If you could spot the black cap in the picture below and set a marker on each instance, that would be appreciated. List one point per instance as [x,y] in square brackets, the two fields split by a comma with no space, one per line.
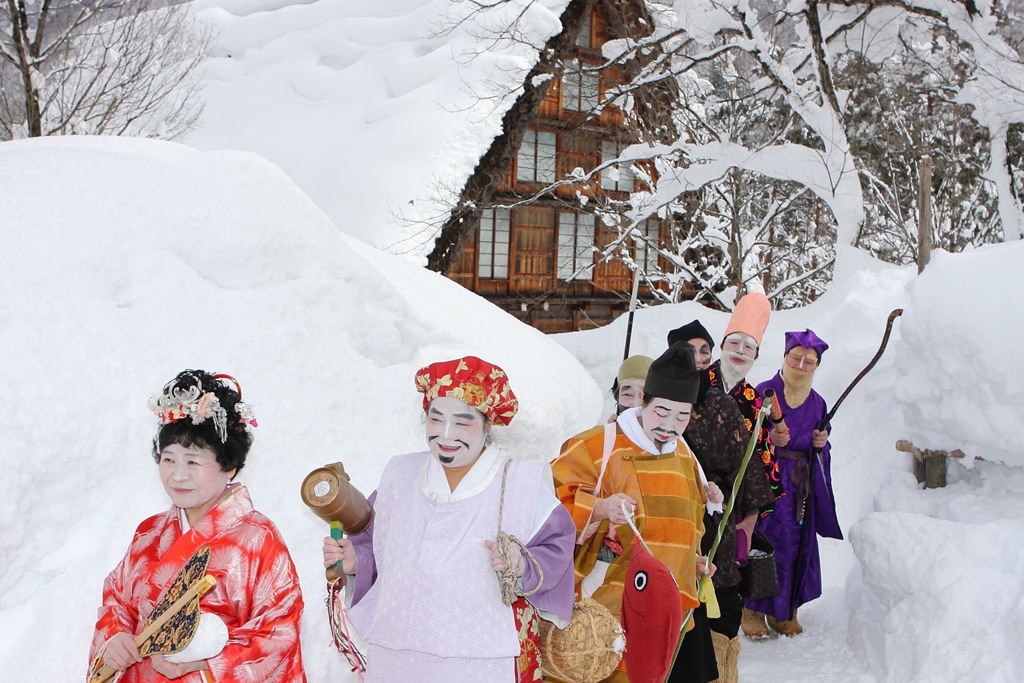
[674,375]
[691,330]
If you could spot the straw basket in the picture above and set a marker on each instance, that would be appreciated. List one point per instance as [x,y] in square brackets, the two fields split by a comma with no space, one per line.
[585,651]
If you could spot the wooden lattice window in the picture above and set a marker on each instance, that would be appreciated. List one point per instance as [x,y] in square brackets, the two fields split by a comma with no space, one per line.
[583,39]
[618,178]
[534,240]
[535,162]
[492,261]
[647,247]
[575,246]
[581,87]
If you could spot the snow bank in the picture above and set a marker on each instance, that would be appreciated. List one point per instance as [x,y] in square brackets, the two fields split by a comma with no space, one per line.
[939,595]
[373,108]
[962,381]
[123,262]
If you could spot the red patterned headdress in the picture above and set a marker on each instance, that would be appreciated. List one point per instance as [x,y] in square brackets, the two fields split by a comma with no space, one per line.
[480,384]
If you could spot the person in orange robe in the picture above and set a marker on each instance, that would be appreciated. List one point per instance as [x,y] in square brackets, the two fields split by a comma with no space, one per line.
[651,472]
[249,628]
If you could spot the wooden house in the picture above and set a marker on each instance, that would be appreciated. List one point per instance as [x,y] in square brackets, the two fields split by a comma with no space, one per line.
[538,260]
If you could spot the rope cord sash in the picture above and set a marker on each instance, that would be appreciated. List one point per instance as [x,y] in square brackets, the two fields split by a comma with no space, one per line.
[629,520]
[340,633]
[507,577]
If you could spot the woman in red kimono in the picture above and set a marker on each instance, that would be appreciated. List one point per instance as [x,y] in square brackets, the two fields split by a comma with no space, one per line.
[249,629]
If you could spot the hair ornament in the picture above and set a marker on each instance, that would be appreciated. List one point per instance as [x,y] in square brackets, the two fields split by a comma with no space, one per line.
[176,403]
[245,413]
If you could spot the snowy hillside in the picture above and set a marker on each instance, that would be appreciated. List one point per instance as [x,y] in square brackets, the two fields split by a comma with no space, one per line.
[372,108]
[124,261]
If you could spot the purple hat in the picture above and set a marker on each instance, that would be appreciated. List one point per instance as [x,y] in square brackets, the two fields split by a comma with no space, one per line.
[806,339]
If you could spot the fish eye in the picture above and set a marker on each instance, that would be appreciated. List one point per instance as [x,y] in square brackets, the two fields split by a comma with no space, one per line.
[640,581]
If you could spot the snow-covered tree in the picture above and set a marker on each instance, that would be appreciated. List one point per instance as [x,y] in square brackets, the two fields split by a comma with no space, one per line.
[101,67]
[898,111]
[831,98]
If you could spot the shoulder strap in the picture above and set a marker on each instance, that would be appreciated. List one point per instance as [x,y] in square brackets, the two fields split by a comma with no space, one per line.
[609,444]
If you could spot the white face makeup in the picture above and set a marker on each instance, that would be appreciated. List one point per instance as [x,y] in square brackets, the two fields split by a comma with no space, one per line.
[664,420]
[738,353]
[741,345]
[455,431]
[630,393]
[701,353]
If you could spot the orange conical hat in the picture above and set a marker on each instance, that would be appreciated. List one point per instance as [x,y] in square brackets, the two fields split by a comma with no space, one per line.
[750,316]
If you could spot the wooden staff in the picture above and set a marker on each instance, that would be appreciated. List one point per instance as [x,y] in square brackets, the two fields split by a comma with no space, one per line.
[878,354]
[198,590]
[632,310]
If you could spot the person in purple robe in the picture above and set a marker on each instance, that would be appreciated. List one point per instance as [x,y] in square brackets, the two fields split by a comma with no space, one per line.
[805,466]
[431,578]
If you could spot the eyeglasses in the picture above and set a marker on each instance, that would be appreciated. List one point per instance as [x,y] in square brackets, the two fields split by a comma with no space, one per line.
[799,361]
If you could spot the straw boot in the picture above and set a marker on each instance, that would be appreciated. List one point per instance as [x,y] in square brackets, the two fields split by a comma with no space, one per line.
[788,628]
[753,624]
[727,656]
[734,659]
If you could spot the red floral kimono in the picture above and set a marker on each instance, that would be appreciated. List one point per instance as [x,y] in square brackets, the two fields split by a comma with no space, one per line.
[257,594]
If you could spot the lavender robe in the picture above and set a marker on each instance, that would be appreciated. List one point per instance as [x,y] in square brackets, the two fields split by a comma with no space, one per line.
[552,545]
[782,527]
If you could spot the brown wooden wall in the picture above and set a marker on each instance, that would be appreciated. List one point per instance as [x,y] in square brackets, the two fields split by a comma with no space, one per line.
[551,304]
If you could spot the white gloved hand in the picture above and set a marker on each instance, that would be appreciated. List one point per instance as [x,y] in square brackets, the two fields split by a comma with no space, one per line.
[210,638]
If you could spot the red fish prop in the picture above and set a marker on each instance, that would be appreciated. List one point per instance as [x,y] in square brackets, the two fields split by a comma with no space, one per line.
[652,617]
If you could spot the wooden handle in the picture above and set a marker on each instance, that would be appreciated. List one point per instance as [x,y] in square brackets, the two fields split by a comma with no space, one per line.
[776,412]
[905,446]
[334,572]
[198,590]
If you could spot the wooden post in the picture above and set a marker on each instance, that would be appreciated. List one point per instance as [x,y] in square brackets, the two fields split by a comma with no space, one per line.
[929,466]
[935,472]
[924,214]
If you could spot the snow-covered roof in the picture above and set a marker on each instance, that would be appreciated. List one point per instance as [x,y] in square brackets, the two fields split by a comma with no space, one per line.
[371,106]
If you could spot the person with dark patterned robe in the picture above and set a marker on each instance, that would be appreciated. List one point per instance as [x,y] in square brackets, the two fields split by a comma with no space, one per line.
[718,436]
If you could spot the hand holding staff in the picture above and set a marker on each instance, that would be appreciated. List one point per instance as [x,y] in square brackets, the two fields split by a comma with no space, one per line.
[780,432]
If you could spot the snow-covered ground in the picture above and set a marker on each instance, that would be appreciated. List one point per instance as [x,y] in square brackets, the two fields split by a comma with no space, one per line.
[125,261]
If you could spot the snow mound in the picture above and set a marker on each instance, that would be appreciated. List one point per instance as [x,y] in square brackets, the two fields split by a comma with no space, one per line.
[939,596]
[373,108]
[124,261]
[962,382]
